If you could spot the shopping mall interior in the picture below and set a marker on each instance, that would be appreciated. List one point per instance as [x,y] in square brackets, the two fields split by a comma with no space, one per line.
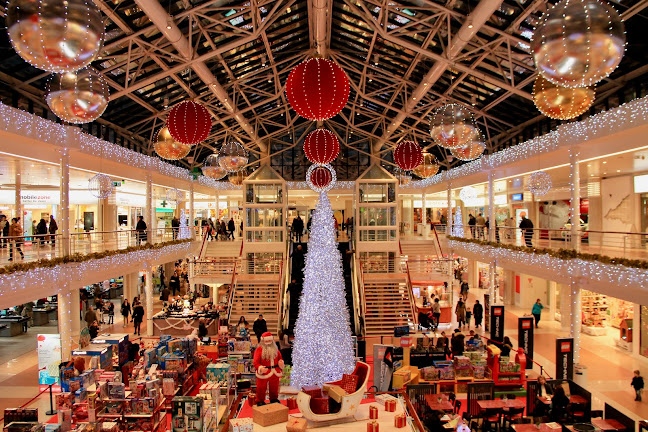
[425,215]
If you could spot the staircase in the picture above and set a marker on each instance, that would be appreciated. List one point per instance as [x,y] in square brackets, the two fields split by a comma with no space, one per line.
[254,295]
[222,248]
[387,300]
[419,248]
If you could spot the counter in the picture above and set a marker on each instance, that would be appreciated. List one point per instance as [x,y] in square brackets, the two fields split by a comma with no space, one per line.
[12,326]
[41,315]
[181,326]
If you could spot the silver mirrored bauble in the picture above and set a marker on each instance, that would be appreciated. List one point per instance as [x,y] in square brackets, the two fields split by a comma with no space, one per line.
[539,183]
[175,195]
[101,186]
[578,42]
[232,157]
[211,168]
[452,126]
[55,35]
[77,97]
[467,194]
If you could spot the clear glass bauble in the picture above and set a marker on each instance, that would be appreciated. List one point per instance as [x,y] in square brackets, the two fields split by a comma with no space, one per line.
[232,156]
[168,148]
[77,97]
[452,126]
[428,168]
[561,103]
[211,168]
[539,183]
[101,186]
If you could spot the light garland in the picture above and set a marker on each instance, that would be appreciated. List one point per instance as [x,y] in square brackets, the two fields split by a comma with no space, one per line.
[323,346]
[539,183]
[303,185]
[468,194]
[101,186]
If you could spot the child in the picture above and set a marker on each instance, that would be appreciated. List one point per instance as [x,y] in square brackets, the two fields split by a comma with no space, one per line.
[468,316]
[637,384]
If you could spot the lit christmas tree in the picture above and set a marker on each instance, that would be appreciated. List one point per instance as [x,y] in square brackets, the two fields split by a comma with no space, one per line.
[457,228]
[323,347]
[183,232]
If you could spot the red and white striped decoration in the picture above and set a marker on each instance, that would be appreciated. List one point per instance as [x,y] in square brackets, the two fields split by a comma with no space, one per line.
[317,89]
[408,155]
[321,177]
[189,122]
[321,146]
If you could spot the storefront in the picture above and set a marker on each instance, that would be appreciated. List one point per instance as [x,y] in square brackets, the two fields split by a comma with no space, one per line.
[129,206]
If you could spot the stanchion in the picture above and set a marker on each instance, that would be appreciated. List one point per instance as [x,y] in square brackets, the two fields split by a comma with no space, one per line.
[51,411]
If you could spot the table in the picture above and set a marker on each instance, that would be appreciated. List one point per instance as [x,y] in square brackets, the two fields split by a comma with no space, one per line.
[40,316]
[14,326]
[432,401]
[608,424]
[543,427]
[181,326]
[500,404]
[576,399]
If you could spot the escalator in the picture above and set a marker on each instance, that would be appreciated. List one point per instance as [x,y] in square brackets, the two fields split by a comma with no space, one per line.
[347,260]
[297,263]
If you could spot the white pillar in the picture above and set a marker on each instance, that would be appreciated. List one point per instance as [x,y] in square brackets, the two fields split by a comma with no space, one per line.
[423,212]
[64,212]
[575,325]
[473,274]
[492,270]
[148,288]
[75,311]
[575,197]
[65,307]
[491,209]
[149,211]
[449,212]
[565,307]
[18,192]
[190,221]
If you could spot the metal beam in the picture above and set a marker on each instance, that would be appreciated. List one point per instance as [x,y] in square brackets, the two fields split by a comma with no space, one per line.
[319,23]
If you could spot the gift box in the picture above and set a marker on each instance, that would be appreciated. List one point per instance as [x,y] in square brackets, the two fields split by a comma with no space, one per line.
[373,412]
[335,392]
[63,401]
[65,417]
[218,372]
[271,414]
[109,427]
[390,405]
[400,420]
[292,403]
[241,425]
[372,426]
[382,398]
[296,425]
[320,405]
[117,390]
[405,374]
[313,391]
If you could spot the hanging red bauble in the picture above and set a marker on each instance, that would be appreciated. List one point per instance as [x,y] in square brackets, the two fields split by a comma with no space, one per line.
[321,146]
[189,122]
[317,89]
[408,155]
[321,177]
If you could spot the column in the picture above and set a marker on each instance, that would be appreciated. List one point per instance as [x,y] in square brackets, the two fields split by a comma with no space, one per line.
[148,214]
[491,208]
[574,206]
[18,192]
[75,310]
[565,307]
[64,212]
[190,218]
[473,274]
[148,289]
[449,212]
[65,307]
[423,210]
[575,316]
[492,270]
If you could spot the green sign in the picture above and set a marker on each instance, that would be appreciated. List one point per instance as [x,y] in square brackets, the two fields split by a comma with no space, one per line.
[117,183]
[164,210]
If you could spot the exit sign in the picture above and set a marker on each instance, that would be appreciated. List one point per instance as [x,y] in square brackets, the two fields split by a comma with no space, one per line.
[117,183]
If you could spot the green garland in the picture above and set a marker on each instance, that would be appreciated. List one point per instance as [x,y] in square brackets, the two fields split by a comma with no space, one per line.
[559,253]
[78,258]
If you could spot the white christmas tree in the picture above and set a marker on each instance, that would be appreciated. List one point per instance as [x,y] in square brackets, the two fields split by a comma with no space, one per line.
[323,347]
[184,232]
[457,227]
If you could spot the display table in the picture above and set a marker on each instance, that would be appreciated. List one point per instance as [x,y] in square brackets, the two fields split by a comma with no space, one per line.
[178,326]
[432,401]
[12,326]
[40,316]
[594,331]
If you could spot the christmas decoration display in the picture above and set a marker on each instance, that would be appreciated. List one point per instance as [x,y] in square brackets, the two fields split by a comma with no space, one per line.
[470,151]
[55,35]
[408,155]
[236,178]
[467,194]
[323,348]
[232,156]
[457,227]
[539,183]
[183,231]
[428,167]
[175,195]
[168,148]
[189,122]
[562,103]
[101,186]
[321,146]
[452,126]
[578,42]
[268,364]
[77,97]
[212,168]
[317,178]
[404,177]
[317,89]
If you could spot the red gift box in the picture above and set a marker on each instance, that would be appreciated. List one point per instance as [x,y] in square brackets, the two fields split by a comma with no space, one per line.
[373,412]
[292,403]
[372,426]
[313,391]
[390,405]
[400,421]
[320,405]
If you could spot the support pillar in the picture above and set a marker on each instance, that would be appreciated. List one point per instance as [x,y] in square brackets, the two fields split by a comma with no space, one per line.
[492,270]
[65,307]
[473,274]
[19,212]
[149,212]
[574,206]
[64,212]
[148,289]
[75,300]
[423,210]
[449,212]
[565,307]
[575,316]
[191,218]
[491,209]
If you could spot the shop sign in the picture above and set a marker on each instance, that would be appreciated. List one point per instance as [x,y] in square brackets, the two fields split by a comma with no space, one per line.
[525,338]
[564,358]
[49,358]
[130,200]
[497,323]
[117,183]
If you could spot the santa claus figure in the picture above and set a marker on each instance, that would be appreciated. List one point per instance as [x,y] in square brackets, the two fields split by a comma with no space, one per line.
[268,364]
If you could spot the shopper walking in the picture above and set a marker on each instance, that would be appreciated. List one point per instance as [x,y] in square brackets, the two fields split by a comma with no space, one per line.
[507,346]
[471,223]
[481,223]
[111,312]
[175,227]
[527,230]
[53,227]
[463,290]
[41,230]
[536,311]
[460,312]
[637,384]
[231,227]
[457,343]
[4,229]
[140,229]
[125,311]
[478,313]
[298,228]
[90,316]
[138,316]
[259,327]
[16,232]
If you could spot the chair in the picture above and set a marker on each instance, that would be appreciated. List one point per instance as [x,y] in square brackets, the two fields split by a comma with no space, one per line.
[457,406]
[577,412]
[512,415]
[492,416]
[452,397]
[416,394]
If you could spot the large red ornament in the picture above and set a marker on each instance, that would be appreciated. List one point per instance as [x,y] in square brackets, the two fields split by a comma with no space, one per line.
[408,155]
[321,177]
[189,122]
[317,89]
[321,146]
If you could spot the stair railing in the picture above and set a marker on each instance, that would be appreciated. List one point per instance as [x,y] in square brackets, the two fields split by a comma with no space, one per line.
[438,243]
[362,301]
[410,294]
[230,300]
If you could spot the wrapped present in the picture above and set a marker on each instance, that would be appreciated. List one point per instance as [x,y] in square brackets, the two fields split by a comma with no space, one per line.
[320,405]
[430,373]
[382,398]
[446,373]
[400,420]
[285,376]
[372,426]
[241,425]
[271,414]
[373,412]
[313,391]
[292,403]
[462,361]
[296,425]
[390,405]
[335,392]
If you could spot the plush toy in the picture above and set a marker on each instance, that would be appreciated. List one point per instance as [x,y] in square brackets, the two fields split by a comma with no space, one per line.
[269,365]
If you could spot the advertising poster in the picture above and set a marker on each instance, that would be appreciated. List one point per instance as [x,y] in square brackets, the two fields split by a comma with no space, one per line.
[49,358]
[564,358]
[525,338]
[497,323]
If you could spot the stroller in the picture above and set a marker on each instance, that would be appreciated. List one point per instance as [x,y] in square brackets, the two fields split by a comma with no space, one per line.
[427,323]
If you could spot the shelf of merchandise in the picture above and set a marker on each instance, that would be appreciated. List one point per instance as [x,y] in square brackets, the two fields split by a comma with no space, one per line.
[593,302]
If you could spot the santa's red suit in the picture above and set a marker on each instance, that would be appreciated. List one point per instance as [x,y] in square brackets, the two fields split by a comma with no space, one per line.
[268,378]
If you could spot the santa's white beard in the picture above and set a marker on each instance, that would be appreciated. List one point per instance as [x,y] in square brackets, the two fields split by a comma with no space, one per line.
[269,351]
